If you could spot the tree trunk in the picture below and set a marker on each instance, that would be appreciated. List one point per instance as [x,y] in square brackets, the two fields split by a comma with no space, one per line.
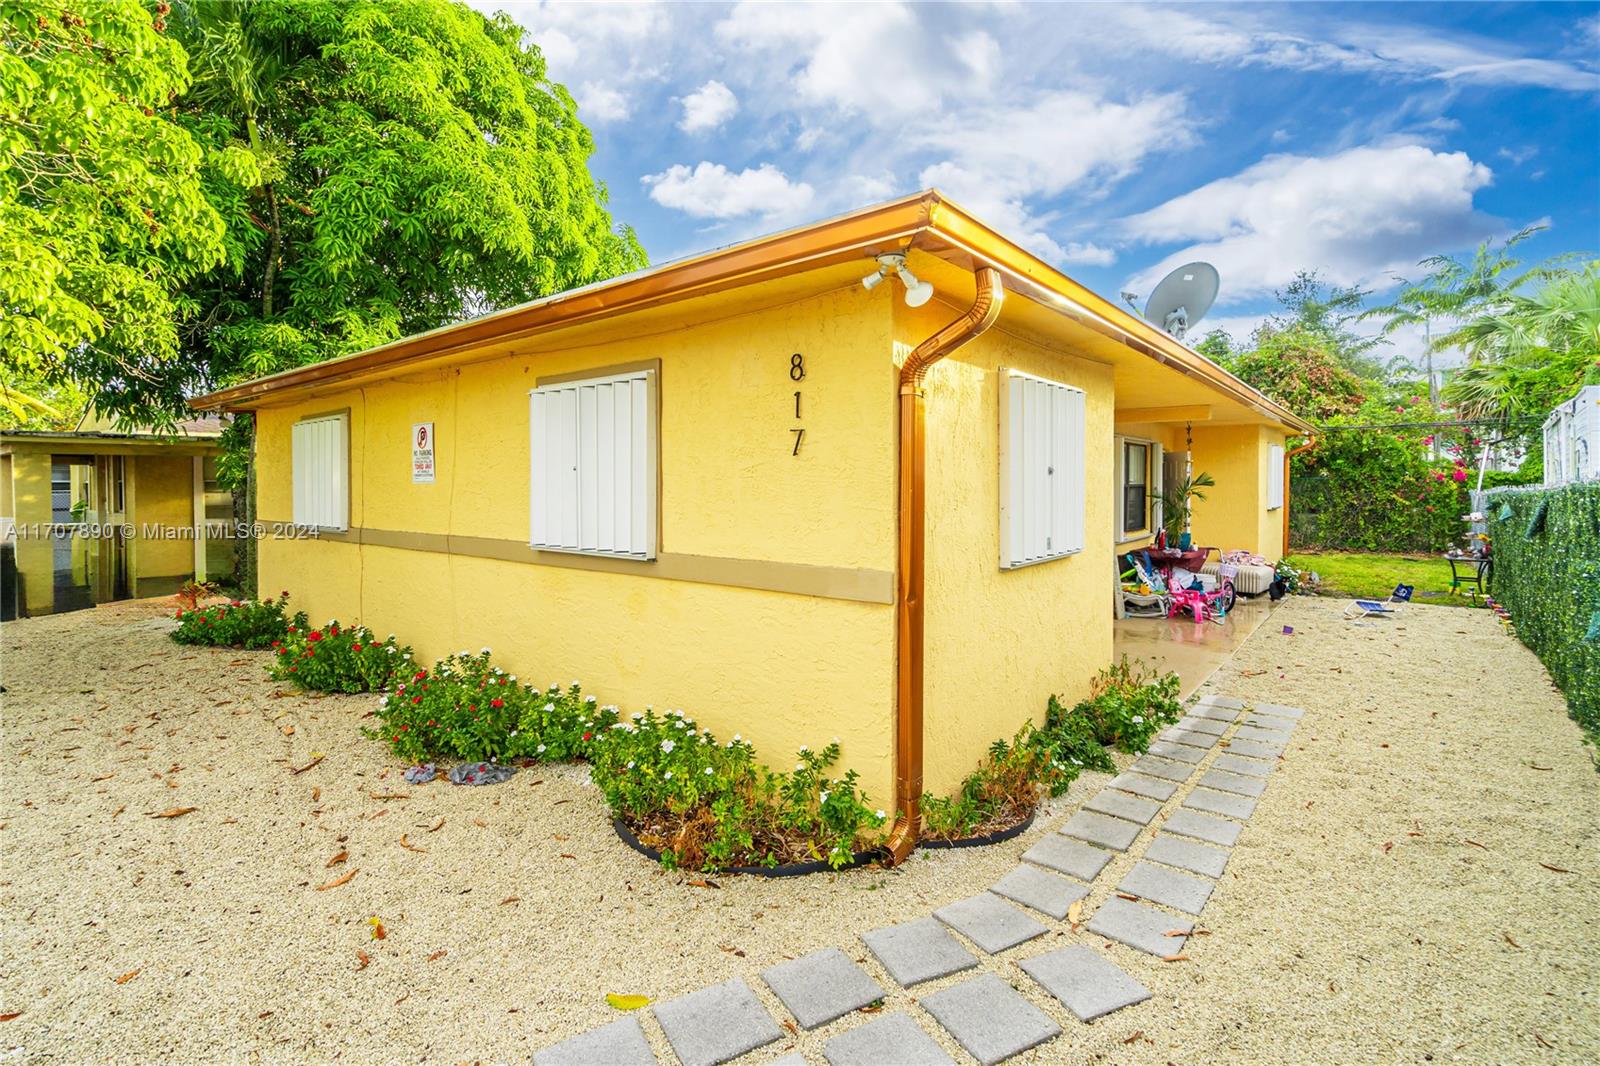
[274,249]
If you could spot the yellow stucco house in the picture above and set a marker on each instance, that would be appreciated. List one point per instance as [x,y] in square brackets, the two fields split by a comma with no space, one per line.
[148,511]
[749,485]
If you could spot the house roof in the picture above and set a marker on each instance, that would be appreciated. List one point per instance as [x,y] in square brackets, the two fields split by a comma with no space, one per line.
[927,221]
[204,429]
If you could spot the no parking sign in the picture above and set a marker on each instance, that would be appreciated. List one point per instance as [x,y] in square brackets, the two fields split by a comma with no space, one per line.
[422,452]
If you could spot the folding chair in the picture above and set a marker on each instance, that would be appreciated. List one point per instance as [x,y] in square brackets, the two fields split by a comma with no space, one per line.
[1391,606]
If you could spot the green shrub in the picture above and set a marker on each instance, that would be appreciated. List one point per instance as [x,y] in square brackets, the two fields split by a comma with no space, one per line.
[338,659]
[238,624]
[1548,578]
[705,805]
[469,709]
[1128,705]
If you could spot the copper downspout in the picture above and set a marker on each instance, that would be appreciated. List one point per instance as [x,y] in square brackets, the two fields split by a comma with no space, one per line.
[1311,442]
[908,603]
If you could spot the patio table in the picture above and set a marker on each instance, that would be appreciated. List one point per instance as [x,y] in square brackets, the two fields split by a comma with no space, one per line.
[1481,576]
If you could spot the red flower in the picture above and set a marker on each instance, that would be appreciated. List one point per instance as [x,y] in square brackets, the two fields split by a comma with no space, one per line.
[1460,473]
[396,738]
[294,669]
[421,674]
[355,647]
[416,699]
[432,722]
[179,614]
[588,736]
[236,603]
[314,635]
[497,703]
[404,728]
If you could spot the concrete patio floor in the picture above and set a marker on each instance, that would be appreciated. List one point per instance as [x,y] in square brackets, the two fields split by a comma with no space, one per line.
[1192,650]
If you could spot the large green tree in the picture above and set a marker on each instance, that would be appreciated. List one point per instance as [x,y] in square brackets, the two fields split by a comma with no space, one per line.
[416,166]
[103,217]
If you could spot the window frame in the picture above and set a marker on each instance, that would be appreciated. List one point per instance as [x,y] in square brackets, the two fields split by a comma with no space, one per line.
[342,416]
[1153,484]
[648,371]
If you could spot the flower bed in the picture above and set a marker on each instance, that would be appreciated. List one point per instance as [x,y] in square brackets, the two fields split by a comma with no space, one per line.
[248,624]
[338,658]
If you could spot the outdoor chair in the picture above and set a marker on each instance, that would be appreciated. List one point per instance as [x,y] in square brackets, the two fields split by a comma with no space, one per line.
[1393,605]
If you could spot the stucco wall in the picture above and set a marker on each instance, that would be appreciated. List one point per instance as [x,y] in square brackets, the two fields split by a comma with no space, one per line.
[162,495]
[1235,514]
[35,555]
[999,643]
[782,669]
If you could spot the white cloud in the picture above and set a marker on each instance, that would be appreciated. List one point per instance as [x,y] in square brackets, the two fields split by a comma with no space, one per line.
[601,103]
[1354,217]
[708,107]
[711,190]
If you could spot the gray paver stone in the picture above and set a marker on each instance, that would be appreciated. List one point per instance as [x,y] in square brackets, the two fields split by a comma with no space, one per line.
[892,1038]
[1187,854]
[1202,725]
[1203,827]
[1266,721]
[716,1024]
[1213,711]
[1044,892]
[1277,710]
[621,1043]
[1170,771]
[1174,735]
[1265,736]
[1067,855]
[821,986]
[990,1018]
[1149,787]
[1140,927]
[1101,829]
[1238,784]
[918,951]
[1167,887]
[989,923]
[1121,805]
[1223,701]
[1255,749]
[1238,764]
[1181,752]
[1204,799]
[1087,984]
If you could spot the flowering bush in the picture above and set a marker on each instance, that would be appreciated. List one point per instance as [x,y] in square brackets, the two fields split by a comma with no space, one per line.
[1127,706]
[706,805]
[469,709]
[338,659]
[238,624]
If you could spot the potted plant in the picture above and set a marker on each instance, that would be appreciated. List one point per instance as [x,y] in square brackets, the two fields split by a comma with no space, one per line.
[1176,503]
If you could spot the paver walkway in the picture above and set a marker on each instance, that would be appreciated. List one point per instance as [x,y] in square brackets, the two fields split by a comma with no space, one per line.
[1227,750]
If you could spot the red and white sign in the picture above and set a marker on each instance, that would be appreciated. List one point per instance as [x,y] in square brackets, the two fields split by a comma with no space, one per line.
[422,452]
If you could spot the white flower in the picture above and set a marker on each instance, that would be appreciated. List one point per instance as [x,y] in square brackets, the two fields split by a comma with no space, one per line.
[514,732]
[630,764]
[513,677]
[390,649]
[636,716]
[575,683]
[408,655]
[690,733]
[667,776]
[589,699]
[835,740]
[708,771]
[667,746]
[804,748]
[549,707]
[384,702]
[1138,719]
[824,797]
[539,750]
[463,653]
[1076,761]
[881,815]
[737,737]
[799,766]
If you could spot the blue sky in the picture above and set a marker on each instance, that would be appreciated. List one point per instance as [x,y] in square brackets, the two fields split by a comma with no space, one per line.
[1115,140]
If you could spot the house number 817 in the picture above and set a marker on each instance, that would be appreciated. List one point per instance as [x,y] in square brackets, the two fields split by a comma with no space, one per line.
[797,372]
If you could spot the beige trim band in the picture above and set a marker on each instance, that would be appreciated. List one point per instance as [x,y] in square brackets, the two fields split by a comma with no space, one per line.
[801,579]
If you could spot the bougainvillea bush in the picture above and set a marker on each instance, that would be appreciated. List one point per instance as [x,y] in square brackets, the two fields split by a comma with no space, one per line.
[1546,546]
[467,708]
[708,805]
[338,658]
[236,624]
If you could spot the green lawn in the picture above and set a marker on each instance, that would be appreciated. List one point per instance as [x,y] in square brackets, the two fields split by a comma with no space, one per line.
[1372,576]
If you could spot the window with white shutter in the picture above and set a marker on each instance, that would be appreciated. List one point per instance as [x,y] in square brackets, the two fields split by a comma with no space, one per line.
[1042,469]
[320,460]
[1274,476]
[594,454]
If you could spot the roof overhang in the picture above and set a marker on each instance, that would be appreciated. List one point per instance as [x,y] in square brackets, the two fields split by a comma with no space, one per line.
[927,221]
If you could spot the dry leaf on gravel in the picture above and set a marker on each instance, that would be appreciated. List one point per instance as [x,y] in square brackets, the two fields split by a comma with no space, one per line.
[13,1014]
[629,1002]
[378,930]
[1555,869]
[1174,958]
[1137,1033]
[337,881]
[510,899]
[175,812]
[362,955]
[130,975]
[1075,915]
[307,766]
[336,860]
[437,955]
[404,843]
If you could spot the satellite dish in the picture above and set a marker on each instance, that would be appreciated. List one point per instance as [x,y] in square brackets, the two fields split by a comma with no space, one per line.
[1183,298]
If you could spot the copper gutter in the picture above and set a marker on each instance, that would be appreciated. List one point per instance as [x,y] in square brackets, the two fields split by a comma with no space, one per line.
[1311,442]
[912,533]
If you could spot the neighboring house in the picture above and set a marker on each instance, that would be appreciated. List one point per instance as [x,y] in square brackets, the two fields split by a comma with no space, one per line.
[147,510]
[750,486]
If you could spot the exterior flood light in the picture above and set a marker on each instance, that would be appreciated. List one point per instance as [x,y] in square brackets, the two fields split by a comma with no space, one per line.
[917,292]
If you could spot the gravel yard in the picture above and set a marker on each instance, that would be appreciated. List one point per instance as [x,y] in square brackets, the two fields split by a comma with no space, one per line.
[1420,880]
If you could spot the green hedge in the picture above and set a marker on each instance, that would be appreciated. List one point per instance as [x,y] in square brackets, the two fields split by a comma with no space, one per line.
[1547,574]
